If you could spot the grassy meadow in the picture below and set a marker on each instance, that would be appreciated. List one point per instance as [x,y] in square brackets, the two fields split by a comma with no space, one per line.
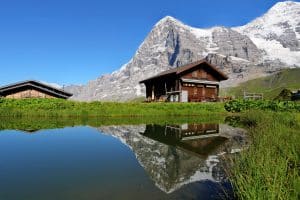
[270,86]
[63,108]
[270,168]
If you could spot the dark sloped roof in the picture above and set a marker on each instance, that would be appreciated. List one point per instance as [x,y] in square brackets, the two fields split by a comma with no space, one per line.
[38,85]
[184,68]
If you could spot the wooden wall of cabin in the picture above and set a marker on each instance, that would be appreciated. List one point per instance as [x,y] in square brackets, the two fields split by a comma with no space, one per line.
[201,73]
[200,92]
[28,93]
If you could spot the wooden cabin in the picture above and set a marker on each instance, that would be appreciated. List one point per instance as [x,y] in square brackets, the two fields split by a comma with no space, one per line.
[32,89]
[195,82]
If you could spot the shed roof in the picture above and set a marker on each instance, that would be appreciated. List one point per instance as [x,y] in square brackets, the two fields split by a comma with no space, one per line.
[179,70]
[37,85]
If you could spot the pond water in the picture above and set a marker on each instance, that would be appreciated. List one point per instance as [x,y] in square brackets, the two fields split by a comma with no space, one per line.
[147,161]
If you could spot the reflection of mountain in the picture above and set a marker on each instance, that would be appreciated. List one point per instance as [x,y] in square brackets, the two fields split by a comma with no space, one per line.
[177,155]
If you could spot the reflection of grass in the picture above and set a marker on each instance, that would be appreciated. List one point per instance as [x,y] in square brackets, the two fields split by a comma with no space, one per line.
[58,107]
[270,168]
[36,123]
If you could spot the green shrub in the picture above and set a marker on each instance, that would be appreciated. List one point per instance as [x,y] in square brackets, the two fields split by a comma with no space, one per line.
[239,105]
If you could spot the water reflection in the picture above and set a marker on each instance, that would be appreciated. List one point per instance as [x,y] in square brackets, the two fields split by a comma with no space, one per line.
[199,139]
[176,155]
[170,161]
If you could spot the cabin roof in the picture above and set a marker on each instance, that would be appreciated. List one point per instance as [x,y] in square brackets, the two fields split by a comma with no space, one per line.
[179,70]
[37,85]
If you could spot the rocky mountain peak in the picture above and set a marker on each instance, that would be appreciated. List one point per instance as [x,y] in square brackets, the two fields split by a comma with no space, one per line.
[168,20]
[285,6]
[281,13]
[277,33]
[262,46]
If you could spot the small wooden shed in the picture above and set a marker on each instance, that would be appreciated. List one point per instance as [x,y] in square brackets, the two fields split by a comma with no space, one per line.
[32,89]
[195,82]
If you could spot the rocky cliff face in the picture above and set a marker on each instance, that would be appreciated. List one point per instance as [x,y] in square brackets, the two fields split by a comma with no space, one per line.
[256,49]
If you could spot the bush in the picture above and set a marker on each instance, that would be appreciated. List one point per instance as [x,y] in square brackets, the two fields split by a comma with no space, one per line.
[239,105]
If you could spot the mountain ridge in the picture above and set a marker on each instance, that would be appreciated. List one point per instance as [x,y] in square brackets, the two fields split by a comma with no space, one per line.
[244,52]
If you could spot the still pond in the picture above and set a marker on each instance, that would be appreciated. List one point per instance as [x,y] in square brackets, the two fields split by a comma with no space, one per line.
[147,161]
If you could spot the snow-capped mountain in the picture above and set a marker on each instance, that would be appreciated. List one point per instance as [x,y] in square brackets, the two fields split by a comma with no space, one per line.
[277,33]
[263,46]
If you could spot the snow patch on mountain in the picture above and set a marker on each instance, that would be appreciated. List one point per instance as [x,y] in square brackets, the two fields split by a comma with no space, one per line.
[263,46]
[277,32]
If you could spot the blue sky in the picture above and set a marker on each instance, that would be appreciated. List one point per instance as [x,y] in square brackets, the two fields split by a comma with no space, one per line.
[74,41]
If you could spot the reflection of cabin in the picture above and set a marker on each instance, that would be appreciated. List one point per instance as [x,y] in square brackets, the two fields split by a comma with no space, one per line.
[201,139]
[194,131]
[32,89]
[198,81]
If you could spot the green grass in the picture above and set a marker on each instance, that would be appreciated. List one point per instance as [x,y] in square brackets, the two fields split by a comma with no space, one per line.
[270,86]
[270,168]
[59,107]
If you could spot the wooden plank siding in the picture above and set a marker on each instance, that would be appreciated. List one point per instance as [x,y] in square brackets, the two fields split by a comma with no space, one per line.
[200,80]
[32,89]
[28,93]
[200,74]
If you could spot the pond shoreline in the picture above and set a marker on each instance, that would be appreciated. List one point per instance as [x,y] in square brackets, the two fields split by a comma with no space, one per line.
[269,169]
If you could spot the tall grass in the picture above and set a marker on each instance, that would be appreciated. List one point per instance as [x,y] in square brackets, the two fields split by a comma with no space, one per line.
[270,168]
[58,107]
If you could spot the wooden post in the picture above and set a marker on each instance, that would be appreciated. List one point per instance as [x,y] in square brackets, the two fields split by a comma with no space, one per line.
[165,88]
[179,89]
[218,90]
[152,94]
